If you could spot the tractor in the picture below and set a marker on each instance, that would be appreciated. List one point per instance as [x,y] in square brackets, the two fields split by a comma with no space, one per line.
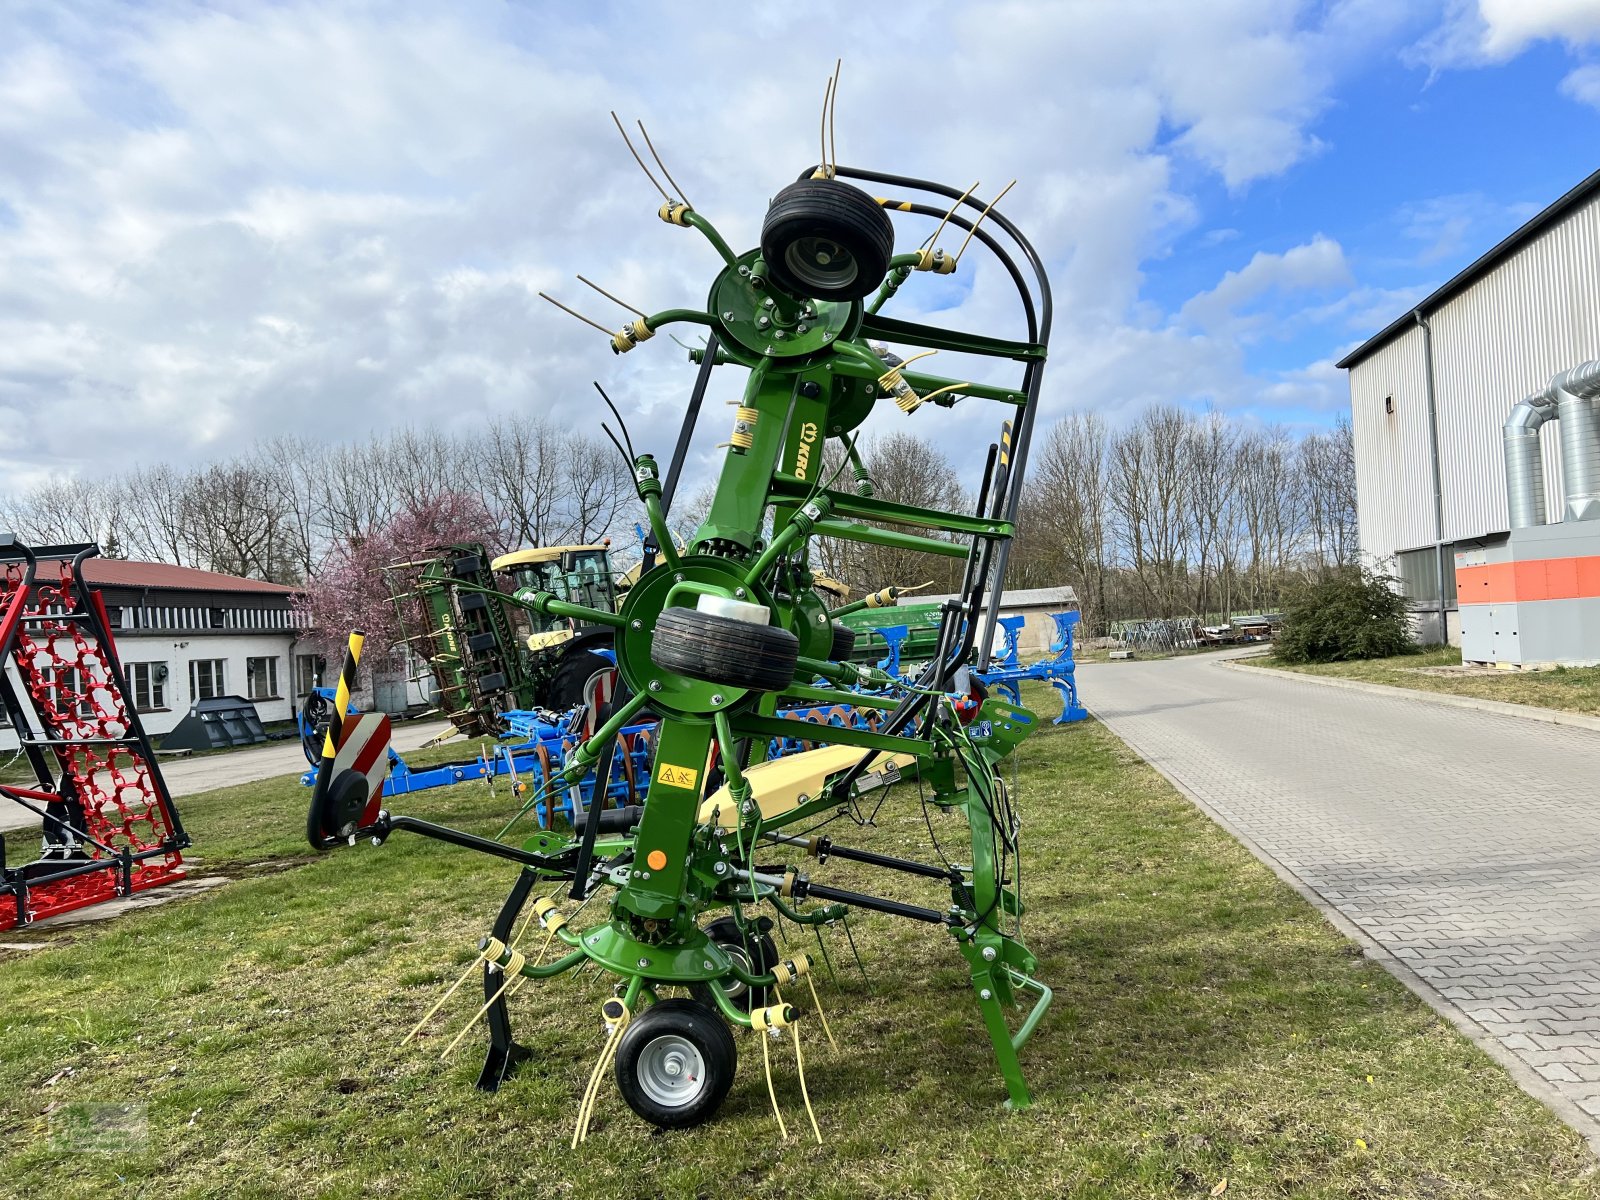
[489,656]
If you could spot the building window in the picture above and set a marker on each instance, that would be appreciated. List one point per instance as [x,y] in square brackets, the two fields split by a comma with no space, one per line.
[261,675]
[205,678]
[309,671]
[1388,404]
[147,682]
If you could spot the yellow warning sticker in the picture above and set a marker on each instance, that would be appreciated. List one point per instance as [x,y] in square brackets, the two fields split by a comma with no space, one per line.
[683,777]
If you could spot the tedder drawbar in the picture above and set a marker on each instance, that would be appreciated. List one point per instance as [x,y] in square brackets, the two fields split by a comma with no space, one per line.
[713,638]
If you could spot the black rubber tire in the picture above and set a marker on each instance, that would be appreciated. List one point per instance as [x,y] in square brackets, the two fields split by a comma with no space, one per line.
[335,811]
[314,713]
[704,1030]
[759,955]
[722,650]
[574,670]
[825,210]
[844,642]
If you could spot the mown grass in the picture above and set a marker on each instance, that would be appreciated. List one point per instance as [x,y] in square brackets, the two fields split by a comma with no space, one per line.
[1208,1025]
[1570,689]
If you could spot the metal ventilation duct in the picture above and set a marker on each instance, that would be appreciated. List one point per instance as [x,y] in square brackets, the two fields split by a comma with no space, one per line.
[1576,390]
[1524,465]
[1570,397]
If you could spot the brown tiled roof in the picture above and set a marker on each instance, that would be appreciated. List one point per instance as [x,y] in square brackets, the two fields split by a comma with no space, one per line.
[113,572]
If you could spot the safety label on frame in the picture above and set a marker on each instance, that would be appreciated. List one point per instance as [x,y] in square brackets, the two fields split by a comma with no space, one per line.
[682,777]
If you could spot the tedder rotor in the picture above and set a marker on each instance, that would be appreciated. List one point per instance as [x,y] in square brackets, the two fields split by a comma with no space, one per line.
[713,637]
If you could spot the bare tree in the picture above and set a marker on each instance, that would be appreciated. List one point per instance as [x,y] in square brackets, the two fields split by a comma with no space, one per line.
[517,465]
[903,468]
[1207,464]
[1065,520]
[1149,495]
[62,511]
[599,483]
[1174,515]
[294,464]
[1327,475]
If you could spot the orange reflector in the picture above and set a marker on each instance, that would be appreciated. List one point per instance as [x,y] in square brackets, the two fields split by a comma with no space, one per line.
[656,859]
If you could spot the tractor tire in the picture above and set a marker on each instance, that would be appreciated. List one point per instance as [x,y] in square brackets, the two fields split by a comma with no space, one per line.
[675,1063]
[314,726]
[571,674]
[844,642]
[826,240]
[757,954]
[722,650]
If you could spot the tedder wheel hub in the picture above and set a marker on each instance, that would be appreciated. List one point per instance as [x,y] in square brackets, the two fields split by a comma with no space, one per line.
[671,1070]
[826,240]
[704,646]
[672,692]
[755,953]
[675,1063]
[337,811]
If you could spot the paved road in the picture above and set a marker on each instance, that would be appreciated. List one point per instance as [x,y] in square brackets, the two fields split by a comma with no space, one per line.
[187,776]
[1466,844]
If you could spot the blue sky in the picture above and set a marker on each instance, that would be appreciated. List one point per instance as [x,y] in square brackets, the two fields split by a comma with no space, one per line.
[1419,173]
[236,220]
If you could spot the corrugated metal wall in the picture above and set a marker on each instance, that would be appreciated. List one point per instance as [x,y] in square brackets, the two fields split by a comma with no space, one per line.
[1500,339]
[1394,481]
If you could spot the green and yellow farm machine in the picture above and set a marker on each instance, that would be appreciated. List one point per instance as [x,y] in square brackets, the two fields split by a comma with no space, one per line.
[715,637]
[489,656]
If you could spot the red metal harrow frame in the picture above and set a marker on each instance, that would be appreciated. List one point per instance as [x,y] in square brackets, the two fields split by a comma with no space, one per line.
[109,825]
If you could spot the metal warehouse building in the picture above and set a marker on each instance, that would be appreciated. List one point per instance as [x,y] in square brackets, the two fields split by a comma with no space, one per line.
[1430,393]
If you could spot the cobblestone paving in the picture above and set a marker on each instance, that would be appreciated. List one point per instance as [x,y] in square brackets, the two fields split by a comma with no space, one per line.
[1465,843]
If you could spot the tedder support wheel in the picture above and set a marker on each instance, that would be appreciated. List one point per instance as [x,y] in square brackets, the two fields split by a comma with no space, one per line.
[826,240]
[723,650]
[757,953]
[844,642]
[675,1063]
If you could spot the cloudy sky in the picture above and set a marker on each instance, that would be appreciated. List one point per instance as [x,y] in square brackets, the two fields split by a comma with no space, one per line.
[226,221]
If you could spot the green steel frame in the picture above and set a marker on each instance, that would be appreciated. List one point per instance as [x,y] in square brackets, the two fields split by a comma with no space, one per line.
[812,375]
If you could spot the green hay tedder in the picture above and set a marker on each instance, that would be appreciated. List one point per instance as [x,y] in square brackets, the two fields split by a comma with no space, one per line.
[712,636]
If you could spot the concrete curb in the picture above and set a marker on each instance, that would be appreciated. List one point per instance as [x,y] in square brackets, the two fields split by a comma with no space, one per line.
[1528,712]
[1525,1076]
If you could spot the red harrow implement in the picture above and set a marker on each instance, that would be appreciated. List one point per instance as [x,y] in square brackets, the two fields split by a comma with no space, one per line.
[109,825]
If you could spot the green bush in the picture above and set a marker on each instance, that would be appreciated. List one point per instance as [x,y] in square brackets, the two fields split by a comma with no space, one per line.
[1346,615]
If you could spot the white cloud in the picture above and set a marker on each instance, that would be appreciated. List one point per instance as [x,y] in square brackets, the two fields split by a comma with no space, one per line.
[219,224]
[1480,32]
[1512,25]
[1320,387]
[1583,85]
[1455,225]
[1312,266]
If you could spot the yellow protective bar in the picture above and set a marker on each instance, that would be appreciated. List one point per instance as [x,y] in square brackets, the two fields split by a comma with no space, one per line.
[341,696]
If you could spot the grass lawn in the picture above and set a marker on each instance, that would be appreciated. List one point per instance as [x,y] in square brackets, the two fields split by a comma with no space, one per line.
[1572,689]
[1208,1025]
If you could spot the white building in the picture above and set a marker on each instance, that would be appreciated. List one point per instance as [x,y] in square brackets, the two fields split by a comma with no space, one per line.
[185,635]
[1036,607]
[1430,393]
